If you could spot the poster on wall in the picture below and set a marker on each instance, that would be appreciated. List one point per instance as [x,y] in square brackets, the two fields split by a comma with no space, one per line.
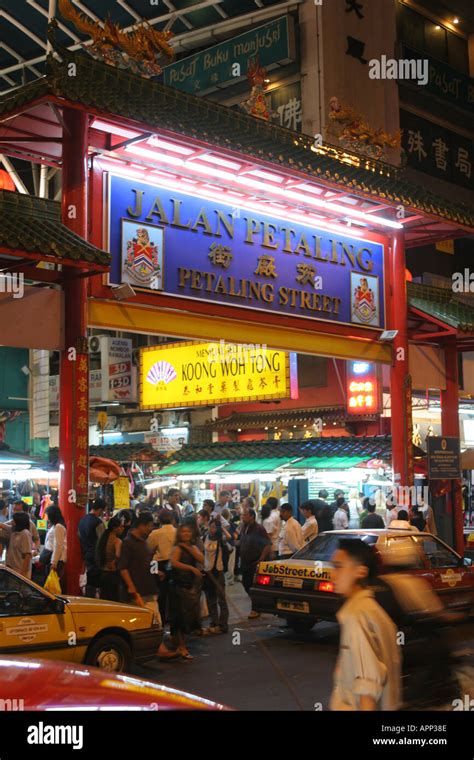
[191,247]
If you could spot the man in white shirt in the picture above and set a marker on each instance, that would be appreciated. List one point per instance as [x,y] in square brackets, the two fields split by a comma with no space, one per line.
[341,518]
[310,527]
[162,541]
[272,522]
[291,536]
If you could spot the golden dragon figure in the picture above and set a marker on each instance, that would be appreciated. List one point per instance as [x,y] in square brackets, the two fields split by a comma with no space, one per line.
[143,49]
[351,129]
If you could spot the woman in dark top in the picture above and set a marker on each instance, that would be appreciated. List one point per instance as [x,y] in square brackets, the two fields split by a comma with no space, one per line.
[417,519]
[108,553]
[185,587]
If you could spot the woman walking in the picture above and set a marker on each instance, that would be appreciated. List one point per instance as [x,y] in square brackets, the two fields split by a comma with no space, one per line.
[54,554]
[108,553]
[185,588]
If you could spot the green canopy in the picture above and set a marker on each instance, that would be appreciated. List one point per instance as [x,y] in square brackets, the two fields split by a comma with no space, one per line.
[327,463]
[199,467]
[267,464]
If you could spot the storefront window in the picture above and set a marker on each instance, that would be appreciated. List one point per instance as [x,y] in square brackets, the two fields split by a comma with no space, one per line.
[431,38]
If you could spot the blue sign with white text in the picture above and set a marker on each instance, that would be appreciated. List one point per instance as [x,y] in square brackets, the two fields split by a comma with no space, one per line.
[187,246]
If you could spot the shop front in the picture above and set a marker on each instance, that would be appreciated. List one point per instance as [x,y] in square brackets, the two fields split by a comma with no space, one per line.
[226,229]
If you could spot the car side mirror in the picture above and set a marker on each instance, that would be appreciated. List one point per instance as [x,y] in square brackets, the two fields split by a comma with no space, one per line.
[59,607]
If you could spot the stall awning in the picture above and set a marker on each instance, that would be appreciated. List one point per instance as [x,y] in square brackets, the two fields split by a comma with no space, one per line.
[327,463]
[256,465]
[193,468]
[439,312]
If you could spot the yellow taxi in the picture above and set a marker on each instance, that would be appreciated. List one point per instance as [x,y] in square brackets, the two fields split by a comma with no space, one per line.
[108,635]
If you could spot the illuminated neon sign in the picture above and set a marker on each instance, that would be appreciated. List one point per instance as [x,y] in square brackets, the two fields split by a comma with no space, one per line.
[362,388]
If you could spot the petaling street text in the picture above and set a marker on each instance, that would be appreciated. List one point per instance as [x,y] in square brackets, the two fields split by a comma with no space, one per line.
[248,290]
[274,237]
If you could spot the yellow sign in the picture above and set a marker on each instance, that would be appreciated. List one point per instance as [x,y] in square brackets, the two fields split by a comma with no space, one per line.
[445,246]
[204,374]
[121,488]
[102,420]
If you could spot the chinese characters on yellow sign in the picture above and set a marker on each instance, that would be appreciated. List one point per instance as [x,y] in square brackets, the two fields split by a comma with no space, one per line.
[204,374]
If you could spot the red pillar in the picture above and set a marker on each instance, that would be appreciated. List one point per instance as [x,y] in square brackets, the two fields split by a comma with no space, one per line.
[450,427]
[400,381]
[74,370]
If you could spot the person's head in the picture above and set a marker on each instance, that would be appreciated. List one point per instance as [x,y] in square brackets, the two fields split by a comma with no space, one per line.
[173,497]
[249,502]
[307,510]
[286,511]
[354,566]
[265,511]
[224,498]
[36,498]
[184,534]
[191,522]
[126,516]
[338,493]
[215,529]
[97,507]
[226,514]
[115,525]
[403,514]
[272,502]
[369,505]
[20,506]
[323,494]
[165,517]
[415,510]
[248,515]
[340,501]
[54,515]
[209,505]
[21,521]
[361,496]
[203,518]
[143,524]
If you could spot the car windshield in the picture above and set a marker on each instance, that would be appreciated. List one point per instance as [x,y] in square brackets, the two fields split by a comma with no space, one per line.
[323,547]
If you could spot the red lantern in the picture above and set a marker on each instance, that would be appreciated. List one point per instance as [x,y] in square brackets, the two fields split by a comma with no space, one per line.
[6,182]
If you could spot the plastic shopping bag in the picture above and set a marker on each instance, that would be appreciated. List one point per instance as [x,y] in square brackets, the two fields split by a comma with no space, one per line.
[52,583]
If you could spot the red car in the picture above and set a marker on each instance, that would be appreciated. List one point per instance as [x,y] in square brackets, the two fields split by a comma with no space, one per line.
[27,684]
[300,589]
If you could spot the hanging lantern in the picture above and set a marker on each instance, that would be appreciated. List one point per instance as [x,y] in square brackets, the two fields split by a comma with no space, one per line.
[6,182]
[408,275]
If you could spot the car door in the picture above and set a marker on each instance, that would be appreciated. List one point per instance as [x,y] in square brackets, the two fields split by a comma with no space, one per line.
[452,579]
[30,621]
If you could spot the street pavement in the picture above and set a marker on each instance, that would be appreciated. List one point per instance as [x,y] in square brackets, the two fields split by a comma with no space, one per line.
[262,665]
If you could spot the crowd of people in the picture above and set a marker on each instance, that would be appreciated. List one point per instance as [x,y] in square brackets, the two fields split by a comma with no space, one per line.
[178,562]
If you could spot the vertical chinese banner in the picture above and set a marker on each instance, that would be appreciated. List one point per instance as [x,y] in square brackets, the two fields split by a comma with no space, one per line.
[409,424]
[81,461]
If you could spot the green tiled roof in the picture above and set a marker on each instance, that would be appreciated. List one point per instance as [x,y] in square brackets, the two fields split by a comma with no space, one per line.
[441,304]
[34,225]
[265,464]
[348,447]
[108,90]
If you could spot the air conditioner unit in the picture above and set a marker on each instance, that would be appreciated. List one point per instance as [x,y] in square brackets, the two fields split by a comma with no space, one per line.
[94,344]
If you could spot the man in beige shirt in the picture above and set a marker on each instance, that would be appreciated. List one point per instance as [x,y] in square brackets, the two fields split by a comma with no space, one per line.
[368,669]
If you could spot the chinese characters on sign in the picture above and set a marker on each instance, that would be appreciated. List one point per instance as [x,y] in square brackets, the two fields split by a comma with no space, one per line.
[437,151]
[82,423]
[363,388]
[205,374]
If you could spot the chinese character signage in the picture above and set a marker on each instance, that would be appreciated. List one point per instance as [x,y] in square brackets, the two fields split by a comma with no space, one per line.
[165,241]
[226,63]
[443,458]
[81,455]
[168,439]
[436,150]
[186,374]
[285,102]
[362,388]
[445,82]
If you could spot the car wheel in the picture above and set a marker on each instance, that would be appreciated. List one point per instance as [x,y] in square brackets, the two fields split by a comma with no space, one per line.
[300,625]
[109,652]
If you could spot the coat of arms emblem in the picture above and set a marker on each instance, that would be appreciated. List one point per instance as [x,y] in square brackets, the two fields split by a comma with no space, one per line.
[142,255]
[364,299]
